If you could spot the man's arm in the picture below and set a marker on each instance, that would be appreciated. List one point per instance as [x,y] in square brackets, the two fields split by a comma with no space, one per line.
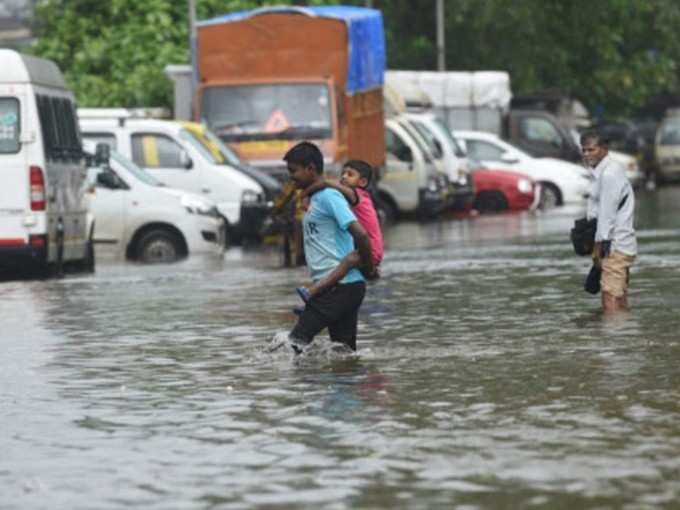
[363,245]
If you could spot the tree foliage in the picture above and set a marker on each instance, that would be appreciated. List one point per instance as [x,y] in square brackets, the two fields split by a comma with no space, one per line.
[612,54]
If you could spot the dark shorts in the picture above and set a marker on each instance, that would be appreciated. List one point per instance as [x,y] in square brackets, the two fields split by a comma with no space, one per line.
[336,309]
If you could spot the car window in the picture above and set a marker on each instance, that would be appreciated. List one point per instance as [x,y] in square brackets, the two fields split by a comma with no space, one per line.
[61,136]
[539,130]
[9,125]
[107,138]
[156,151]
[396,146]
[483,151]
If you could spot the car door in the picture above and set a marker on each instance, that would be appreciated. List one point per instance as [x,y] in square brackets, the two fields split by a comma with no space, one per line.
[109,206]
[166,160]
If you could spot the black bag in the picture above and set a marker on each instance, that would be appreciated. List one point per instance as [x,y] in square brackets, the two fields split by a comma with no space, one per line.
[583,233]
[592,283]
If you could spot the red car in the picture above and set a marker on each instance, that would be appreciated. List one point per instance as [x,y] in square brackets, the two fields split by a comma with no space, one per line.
[501,190]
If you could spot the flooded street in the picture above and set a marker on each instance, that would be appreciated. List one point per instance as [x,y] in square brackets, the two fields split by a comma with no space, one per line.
[486,378]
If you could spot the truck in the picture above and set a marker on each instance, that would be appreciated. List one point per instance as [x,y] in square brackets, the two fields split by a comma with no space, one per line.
[269,78]
[482,101]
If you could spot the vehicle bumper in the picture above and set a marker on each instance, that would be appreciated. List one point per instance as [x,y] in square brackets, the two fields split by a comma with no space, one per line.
[460,196]
[254,219]
[518,201]
[431,203]
[204,234]
[22,255]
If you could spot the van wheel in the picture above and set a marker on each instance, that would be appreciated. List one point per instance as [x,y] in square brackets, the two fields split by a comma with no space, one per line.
[159,247]
[387,214]
[490,201]
[550,196]
[88,263]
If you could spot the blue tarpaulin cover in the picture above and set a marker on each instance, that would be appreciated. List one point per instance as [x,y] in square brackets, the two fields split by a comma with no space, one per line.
[366,66]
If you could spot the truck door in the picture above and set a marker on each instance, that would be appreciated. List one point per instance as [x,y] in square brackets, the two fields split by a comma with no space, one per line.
[108,203]
[540,135]
[14,192]
[167,161]
[401,177]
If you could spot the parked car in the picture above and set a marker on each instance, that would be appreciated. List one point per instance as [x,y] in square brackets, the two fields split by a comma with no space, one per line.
[667,147]
[44,221]
[145,220]
[175,156]
[454,161]
[411,183]
[502,190]
[561,182]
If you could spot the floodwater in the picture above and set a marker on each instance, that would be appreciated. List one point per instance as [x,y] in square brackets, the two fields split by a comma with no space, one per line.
[486,378]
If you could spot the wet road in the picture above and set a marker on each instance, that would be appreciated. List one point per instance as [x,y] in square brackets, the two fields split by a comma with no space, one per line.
[486,379]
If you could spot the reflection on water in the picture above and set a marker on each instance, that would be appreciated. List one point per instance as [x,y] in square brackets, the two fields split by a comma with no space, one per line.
[486,378]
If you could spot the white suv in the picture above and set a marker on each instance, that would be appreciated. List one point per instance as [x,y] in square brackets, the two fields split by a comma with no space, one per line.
[143,219]
[176,157]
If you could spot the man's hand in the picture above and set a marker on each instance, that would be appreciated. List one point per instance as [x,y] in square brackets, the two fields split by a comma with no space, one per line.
[597,255]
[313,188]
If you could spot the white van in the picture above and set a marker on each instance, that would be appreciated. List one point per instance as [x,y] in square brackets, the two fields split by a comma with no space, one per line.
[141,218]
[43,211]
[175,156]
[411,183]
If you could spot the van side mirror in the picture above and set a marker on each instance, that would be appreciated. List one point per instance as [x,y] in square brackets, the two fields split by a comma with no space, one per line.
[102,154]
[405,154]
[185,160]
[107,179]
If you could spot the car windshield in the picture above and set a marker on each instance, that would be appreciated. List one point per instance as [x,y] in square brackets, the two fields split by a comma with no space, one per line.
[670,132]
[284,111]
[136,172]
[408,126]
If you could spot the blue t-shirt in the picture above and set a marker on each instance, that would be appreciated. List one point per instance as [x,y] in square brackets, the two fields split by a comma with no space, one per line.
[327,240]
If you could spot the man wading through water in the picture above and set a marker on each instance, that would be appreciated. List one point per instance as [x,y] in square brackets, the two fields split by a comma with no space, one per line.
[612,202]
[331,232]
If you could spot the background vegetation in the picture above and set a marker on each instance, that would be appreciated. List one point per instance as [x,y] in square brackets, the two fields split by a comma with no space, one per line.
[617,56]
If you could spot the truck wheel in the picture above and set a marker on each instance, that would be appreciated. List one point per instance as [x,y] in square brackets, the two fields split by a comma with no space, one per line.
[159,247]
[550,196]
[490,201]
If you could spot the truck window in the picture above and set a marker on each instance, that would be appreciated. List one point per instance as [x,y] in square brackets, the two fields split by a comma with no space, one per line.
[483,151]
[539,130]
[267,112]
[10,125]
[156,151]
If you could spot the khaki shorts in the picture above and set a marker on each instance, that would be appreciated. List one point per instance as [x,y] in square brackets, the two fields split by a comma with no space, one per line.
[616,273]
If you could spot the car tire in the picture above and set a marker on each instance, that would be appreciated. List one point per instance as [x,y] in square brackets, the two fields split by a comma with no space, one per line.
[159,247]
[490,201]
[550,196]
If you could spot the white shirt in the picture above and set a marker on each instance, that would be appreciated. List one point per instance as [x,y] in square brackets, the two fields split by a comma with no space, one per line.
[609,186]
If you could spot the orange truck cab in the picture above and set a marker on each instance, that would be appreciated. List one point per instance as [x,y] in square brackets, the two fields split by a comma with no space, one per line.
[272,77]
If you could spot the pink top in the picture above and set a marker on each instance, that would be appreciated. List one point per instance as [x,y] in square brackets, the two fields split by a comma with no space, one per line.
[366,215]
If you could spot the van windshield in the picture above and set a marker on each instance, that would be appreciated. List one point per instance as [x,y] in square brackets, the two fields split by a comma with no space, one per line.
[9,125]
[136,172]
[439,125]
[670,132]
[285,111]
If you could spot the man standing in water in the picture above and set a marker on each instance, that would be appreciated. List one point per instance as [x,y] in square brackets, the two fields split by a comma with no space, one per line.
[331,232]
[612,202]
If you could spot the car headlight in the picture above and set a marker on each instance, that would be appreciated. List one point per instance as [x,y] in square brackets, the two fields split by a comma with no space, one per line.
[524,186]
[249,197]
[196,206]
